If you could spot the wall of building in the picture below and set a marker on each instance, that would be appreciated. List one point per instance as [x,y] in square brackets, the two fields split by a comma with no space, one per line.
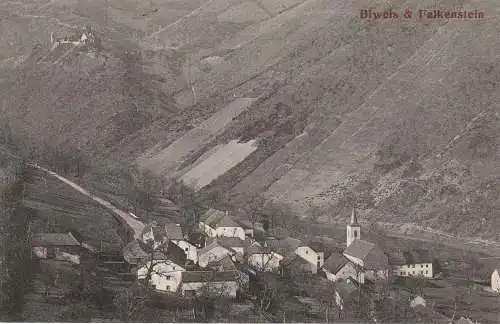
[345,272]
[226,289]
[231,232]
[495,281]
[267,262]
[190,250]
[166,276]
[418,269]
[311,256]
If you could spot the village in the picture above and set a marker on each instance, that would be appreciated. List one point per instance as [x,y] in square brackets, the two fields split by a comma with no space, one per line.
[230,259]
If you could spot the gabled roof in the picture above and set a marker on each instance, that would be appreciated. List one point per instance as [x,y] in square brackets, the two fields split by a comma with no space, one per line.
[217,218]
[335,262]
[174,231]
[176,254]
[54,239]
[414,256]
[210,247]
[371,255]
[285,247]
[224,264]
[135,250]
[209,276]
[197,239]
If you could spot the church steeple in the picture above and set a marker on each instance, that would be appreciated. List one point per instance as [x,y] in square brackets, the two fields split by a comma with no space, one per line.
[353,228]
[354,217]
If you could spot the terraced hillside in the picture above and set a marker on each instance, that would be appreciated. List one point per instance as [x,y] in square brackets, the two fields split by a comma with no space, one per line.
[400,115]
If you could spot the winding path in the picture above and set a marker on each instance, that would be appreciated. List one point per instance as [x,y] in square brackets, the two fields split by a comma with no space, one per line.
[132,221]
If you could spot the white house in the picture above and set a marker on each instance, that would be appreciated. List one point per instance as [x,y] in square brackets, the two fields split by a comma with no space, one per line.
[338,267]
[413,263]
[315,259]
[165,268]
[213,283]
[495,280]
[213,252]
[175,235]
[216,223]
[263,259]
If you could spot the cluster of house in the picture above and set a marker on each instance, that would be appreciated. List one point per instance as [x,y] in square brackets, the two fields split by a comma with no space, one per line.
[219,258]
[86,37]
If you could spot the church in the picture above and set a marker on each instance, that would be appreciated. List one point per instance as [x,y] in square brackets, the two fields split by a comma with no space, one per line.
[360,260]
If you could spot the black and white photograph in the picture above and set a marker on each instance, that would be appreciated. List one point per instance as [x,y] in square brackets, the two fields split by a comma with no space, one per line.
[250,161]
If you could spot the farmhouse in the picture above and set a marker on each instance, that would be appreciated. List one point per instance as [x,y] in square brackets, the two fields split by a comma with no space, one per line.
[59,246]
[213,252]
[338,267]
[263,259]
[217,223]
[411,263]
[175,235]
[164,268]
[211,283]
[495,280]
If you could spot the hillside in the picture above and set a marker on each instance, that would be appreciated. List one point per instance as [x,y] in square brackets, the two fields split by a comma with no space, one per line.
[326,106]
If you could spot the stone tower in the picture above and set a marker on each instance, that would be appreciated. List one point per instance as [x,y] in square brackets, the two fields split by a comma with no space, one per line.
[353,229]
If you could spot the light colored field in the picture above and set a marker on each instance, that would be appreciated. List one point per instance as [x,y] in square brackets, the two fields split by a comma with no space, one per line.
[222,160]
[173,155]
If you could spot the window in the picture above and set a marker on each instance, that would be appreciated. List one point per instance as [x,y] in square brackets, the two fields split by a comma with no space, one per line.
[307,251]
[413,266]
[426,265]
[186,249]
[401,273]
[168,277]
[421,266]
[413,271]
[168,287]
[426,272]
[319,257]
[355,234]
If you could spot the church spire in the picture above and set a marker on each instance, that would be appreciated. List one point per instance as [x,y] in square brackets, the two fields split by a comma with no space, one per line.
[354,217]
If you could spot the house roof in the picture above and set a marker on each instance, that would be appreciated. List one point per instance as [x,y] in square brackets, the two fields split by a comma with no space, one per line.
[217,218]
[335,262]
[197,239]
[464,320]
[371,255]
[285,247]
[417,256]
[209,276]
[398,257]
[54,239]
[135,250]
[174,231]
[175,254]
[224,264]
[214,244]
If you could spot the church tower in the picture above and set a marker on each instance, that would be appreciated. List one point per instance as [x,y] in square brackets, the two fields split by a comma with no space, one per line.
[353,229]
